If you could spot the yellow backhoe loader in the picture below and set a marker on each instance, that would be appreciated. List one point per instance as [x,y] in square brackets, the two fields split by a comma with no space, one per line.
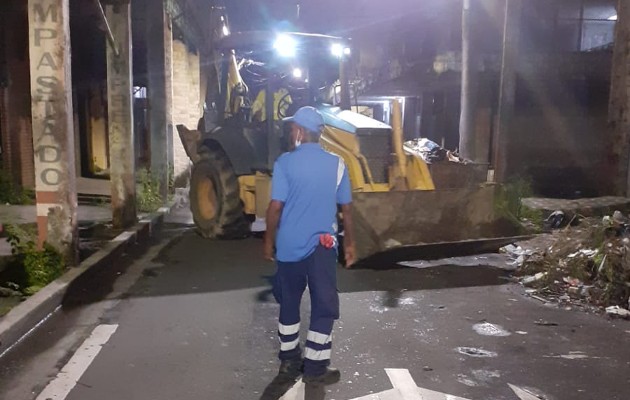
[396,205]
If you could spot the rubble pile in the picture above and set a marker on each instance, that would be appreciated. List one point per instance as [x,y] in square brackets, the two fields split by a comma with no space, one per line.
[586,264]
[430,151]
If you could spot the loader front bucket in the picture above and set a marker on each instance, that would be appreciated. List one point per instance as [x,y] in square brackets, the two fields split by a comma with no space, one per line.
[407,225]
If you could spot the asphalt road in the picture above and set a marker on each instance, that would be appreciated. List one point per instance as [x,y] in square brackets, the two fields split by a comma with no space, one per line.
[192,319]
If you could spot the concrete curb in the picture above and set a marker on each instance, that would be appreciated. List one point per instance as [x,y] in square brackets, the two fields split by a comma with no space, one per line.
[27,315]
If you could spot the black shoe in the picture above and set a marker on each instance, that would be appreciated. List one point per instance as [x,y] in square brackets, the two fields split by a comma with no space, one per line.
[331,376]
[291,368]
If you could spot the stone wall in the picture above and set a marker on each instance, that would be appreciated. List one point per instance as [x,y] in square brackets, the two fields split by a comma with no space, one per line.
[187,104]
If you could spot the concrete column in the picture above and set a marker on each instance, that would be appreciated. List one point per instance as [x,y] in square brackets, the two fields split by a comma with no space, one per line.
[467,142]
[53,128]
[507,92]
[120,117]
[160,91]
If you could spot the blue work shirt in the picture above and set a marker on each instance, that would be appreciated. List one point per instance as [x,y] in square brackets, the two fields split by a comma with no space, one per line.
[310,182]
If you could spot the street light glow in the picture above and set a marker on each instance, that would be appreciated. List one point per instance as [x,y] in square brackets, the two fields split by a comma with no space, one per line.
[226,30]
[297,73]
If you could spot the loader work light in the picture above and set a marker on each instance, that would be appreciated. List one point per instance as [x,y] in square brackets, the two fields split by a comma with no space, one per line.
[336,50]
[285,46]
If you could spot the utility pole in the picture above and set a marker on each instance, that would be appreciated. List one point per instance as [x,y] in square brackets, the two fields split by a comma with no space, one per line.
[619,107]
[469,86]
[53,127]
[507,92]
[120,115]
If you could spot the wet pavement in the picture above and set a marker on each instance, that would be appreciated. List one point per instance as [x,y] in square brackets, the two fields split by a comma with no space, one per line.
[194,319]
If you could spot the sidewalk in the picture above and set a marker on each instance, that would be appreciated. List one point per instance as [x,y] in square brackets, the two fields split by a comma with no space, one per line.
[10,214]
[588,207]
[23,317]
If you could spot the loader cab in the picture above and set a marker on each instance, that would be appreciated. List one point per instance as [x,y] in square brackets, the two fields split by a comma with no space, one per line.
[264,77]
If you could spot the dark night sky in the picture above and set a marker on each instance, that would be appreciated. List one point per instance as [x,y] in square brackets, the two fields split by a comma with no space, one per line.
[342,17]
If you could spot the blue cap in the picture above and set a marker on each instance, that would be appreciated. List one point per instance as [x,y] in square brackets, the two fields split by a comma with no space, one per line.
[308,118]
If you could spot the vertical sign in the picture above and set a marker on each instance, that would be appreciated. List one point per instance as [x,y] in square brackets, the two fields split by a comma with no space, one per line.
[120,115]
[53,130]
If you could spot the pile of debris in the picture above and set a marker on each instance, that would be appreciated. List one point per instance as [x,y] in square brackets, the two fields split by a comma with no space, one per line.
[581,264]
[430,151]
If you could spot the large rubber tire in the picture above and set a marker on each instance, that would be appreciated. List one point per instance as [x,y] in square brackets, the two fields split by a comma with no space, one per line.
[215,198]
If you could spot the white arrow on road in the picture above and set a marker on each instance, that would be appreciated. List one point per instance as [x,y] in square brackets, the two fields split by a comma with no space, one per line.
[405,388]
[295,393]
[524,394]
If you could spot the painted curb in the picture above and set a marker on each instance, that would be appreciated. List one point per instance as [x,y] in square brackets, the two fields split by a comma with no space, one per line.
[23,318]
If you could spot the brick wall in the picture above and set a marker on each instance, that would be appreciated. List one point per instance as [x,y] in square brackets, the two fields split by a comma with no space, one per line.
[187,106]
[18,155]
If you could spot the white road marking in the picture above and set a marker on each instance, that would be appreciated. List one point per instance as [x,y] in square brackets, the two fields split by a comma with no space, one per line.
[401,379]
[295,393]
[523,394]
[66,380]
[391,394]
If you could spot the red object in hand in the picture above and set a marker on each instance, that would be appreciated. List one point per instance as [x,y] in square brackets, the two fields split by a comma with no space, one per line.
[327,240]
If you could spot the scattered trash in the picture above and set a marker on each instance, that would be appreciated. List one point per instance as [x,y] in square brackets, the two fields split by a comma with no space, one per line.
[474,352]
[391,243]
[573,355]
[501,261]
[521,333]
[517,253]
[427,368]
[556,220]
[531,279]
[539,299]
[572,281]
[465,380]
[488,329]
[526,393]
[589,263]
[426,149]
[618,312]
[545,323]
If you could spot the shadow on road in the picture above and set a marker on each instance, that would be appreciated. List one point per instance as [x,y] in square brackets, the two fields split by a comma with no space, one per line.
[190,264]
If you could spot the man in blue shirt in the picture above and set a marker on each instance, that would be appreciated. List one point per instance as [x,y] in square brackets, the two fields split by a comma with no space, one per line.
[307,186]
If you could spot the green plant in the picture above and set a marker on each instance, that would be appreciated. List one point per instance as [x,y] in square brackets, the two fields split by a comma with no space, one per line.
[40,266]
[148,196]
[12,193]
[509,201]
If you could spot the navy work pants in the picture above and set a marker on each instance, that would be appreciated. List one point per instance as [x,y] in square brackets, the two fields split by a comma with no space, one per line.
[319,272]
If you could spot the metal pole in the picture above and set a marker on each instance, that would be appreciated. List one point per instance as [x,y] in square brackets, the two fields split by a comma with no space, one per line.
[469,85]
[110,35]
[345,85]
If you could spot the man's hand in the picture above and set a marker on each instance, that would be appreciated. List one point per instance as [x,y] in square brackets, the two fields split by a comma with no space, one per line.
[268,251]
[273,217]
[350,255]
[348,237]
